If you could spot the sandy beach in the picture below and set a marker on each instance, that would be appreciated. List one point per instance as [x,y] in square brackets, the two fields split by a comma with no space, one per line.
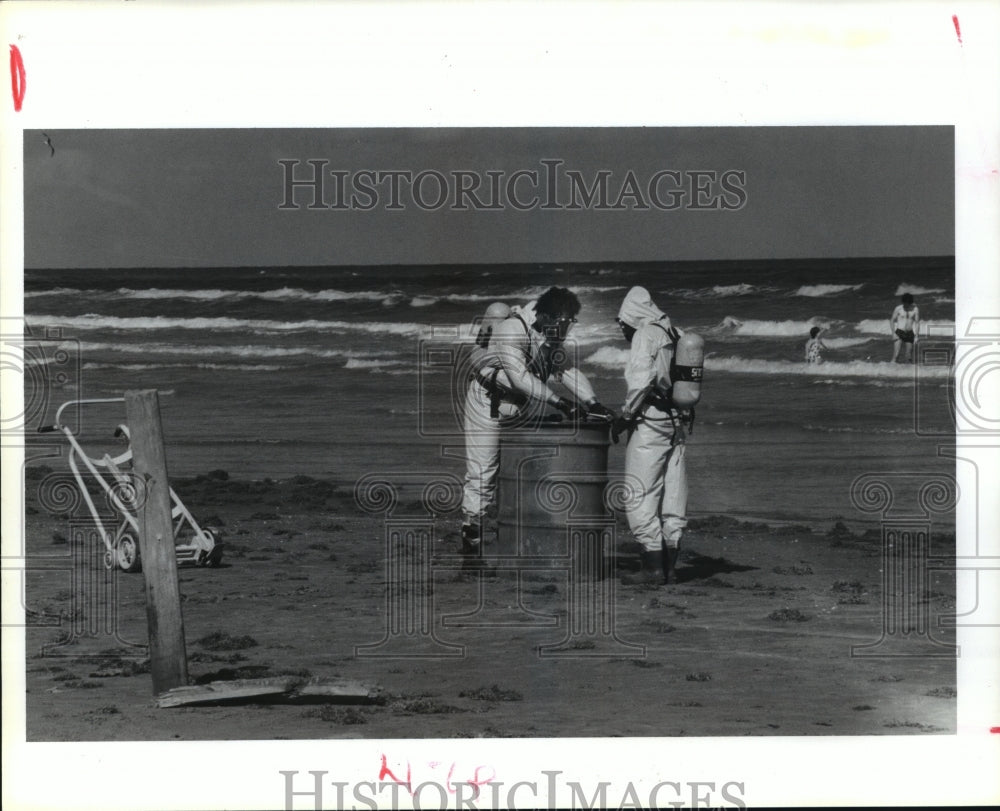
[755,639]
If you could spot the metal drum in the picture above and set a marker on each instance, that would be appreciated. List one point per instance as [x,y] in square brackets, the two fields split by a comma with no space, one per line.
[551,486]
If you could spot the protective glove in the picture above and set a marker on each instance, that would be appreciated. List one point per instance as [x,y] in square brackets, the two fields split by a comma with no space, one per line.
[567,407]
[595,409]
[619,426]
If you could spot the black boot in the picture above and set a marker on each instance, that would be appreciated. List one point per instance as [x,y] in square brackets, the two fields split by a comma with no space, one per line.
[472,541]
[669,561]
[650,573]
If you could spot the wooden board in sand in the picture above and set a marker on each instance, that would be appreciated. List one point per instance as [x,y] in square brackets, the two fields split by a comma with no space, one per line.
[283,690]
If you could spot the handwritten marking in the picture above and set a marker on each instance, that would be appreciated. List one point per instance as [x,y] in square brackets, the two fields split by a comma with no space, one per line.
[17,78]
[481,776]
[385,772]
[958,28]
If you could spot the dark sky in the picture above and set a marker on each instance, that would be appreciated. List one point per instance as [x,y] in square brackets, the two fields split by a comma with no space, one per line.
[212,197]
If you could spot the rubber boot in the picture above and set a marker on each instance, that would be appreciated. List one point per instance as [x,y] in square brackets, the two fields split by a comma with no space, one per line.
[669,555]
[650,573]
[472,542]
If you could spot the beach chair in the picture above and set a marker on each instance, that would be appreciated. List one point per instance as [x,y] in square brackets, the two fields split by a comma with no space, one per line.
[193,543]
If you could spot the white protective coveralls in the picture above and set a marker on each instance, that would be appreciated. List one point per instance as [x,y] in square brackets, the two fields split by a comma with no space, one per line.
[653,464]
[520,361]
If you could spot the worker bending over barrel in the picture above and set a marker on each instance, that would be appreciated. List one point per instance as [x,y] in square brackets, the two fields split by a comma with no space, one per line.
[510,374]
[663,379]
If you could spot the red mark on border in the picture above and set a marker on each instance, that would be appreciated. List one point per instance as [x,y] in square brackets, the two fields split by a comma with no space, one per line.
[17,82]
[995,730]
[385,772]
[958,28]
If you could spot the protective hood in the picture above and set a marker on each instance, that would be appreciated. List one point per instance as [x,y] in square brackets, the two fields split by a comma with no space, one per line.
[526,311]
[638,309]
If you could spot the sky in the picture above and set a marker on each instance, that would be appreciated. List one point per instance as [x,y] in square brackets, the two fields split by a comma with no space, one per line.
[213,197]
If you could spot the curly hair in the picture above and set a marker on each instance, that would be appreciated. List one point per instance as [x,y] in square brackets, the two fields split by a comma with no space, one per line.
[558,302]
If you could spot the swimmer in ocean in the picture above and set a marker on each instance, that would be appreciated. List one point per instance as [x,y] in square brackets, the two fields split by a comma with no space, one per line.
[904,323]
[815,346]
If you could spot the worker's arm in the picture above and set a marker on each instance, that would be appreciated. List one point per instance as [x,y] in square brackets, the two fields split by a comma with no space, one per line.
[510,344]
[892,319]
[640,372]
[576,381]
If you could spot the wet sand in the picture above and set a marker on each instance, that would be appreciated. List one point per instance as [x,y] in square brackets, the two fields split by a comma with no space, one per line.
[755,639]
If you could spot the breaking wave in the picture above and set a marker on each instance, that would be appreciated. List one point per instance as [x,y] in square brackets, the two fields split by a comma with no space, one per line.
[880,326]
[917,290]
[734,326]
[246,351]
[817,290]
[827,369]
[370,363]
[612,358]
[214,367]
[94,321]
[278,294]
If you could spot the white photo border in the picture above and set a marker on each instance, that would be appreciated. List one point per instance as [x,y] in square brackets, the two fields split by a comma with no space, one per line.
[423,64]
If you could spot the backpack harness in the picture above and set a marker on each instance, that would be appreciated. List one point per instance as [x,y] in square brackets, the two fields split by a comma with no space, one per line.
[662,399]
[496,390]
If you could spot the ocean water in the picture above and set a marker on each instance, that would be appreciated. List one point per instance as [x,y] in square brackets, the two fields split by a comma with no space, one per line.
[340,372]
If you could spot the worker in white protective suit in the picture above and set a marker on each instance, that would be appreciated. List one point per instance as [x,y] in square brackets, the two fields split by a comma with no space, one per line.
[495,313]
[654,457]
[511,375]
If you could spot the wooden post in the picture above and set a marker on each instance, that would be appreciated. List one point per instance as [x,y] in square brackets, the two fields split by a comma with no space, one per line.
[167,655]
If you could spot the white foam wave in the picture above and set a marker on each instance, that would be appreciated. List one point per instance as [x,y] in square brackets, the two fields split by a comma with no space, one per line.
[367,363]
[387,298]
[880,326]
[279,294]
[216,294]
[723,290]
[145,367]
[94,321]
[843,343]
[613,358]
[57,291]
[828,369]
[917,290]
[245,351]
[718,291]
[816,290]
[764,329]
[597,288]
[477,297]
[609,357]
